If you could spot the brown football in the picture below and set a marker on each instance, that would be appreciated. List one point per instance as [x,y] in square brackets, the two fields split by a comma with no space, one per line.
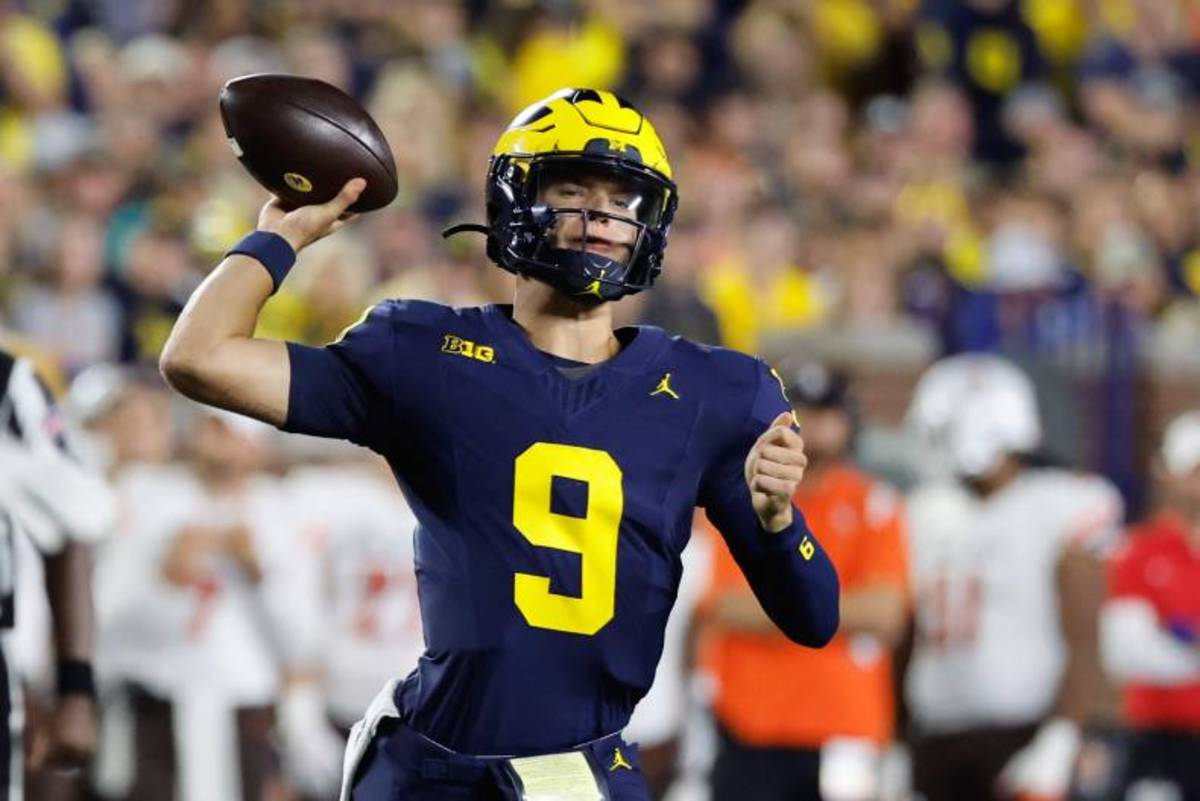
[303,139]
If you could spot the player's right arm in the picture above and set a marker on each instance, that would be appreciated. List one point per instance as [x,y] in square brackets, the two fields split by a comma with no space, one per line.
[212,355]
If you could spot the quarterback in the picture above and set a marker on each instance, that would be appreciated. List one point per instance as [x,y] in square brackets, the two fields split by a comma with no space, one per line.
[552,462]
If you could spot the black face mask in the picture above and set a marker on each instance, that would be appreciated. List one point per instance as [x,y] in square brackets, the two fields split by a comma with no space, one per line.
[520,227]
[585,275]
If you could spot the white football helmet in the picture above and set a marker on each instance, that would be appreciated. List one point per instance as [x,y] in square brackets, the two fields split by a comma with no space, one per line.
[969,411]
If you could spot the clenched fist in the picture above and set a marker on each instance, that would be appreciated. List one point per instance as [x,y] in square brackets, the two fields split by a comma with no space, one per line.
[774,466]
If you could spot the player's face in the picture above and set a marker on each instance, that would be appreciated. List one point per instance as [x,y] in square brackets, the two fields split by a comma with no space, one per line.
[600,234]
[1000,475]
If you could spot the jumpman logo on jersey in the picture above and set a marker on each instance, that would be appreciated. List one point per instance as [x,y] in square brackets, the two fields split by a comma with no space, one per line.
[664,387]
[619,761]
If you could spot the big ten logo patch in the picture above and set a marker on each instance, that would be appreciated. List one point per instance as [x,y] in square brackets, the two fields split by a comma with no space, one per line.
[467,348]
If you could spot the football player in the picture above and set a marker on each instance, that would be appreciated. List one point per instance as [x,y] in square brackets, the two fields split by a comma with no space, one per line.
[1006,583]
[553,463]
[207,603]
[359,529]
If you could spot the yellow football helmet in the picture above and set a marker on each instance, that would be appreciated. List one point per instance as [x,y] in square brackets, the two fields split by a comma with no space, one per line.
[571,132]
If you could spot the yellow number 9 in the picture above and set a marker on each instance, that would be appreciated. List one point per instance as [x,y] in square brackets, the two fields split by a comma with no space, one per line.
[593,536]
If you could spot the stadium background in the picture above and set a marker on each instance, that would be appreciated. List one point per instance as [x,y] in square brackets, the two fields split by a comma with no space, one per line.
[873,183]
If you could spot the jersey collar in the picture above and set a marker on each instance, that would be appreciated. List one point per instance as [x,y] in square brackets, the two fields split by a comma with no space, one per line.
[641,344]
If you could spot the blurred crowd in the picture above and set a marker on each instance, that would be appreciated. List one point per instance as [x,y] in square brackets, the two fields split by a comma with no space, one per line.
[994,169]
[1013,176]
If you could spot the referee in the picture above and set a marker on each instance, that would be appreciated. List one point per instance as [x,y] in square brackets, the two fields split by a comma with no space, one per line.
[47,496]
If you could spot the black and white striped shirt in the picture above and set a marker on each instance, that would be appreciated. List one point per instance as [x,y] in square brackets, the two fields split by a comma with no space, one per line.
[45,492]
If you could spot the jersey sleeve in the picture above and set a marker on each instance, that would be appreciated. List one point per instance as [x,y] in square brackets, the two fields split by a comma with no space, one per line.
[50,493]
[345,390]
[1093,514]
[789,571]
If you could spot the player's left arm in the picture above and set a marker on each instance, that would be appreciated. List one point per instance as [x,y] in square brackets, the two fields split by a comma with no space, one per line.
[1045,766]
[1080,583]
[1080,578]
[748,497]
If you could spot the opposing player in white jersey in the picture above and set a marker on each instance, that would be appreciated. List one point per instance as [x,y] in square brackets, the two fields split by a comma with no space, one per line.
[352,517]
[208,601]
[1006,586]
[362,529]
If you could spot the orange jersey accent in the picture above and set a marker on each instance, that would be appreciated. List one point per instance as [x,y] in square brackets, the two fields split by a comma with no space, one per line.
[774,693]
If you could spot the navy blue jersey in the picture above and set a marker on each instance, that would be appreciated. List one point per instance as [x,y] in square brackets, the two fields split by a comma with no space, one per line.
[552,510]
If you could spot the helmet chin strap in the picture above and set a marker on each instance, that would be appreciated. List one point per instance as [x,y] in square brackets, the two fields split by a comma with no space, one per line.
[465,228]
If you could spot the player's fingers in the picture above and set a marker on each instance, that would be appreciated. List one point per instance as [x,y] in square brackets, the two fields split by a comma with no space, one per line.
[772,485]
[782,421]
[785,437]
[783,454]
[346,197]
[773,433]
[788,472]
